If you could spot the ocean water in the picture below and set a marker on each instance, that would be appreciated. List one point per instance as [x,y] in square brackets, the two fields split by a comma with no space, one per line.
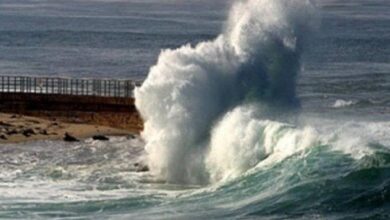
[254,109]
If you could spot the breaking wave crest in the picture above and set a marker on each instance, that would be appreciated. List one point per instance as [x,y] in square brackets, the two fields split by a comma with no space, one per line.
[222,95]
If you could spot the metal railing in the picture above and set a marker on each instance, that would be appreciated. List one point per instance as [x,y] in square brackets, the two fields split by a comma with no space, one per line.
[67,86]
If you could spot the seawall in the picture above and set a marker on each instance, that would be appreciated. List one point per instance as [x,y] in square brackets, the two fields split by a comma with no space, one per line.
[117,112]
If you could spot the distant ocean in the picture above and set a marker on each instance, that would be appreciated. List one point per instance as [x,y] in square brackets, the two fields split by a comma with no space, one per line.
[272,109]
[99,38]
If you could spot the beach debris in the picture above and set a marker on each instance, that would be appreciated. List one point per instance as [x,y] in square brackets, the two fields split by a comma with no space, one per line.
[70,138]
[100,138]
[28,132]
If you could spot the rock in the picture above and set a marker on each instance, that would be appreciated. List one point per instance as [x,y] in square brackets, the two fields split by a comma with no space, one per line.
[100,138]
[33,121]
[4,124]
[3,137]
[70,138]
[141,167]
[54,124]
[131,136]
[43,132]
[12,132]
[28,132]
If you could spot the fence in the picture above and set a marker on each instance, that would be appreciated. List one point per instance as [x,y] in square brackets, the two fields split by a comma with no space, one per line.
[67,86]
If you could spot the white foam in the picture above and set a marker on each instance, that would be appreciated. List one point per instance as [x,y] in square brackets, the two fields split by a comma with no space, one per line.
[241,141]
[191,88]
[340,103]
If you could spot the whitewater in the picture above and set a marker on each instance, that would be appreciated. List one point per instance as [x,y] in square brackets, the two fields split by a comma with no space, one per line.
[252,65]
[227,107]
[215,110]
[226,136]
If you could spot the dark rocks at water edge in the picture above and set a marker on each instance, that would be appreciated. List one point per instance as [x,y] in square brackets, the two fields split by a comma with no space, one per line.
[70,138]
[11,132]
[4,124]
[100,138]
[43,132]
[28,132]
[131,136]
[141,167]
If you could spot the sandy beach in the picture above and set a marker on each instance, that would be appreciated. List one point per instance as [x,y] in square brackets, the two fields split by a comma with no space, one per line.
[18,128]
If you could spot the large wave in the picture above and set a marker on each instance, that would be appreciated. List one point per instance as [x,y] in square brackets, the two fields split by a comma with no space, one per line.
[205,107]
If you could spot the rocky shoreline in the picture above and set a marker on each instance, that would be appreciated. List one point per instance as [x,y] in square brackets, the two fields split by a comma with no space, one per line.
[18,128]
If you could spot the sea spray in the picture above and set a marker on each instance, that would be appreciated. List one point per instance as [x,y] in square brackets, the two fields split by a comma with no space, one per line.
[251,140]
[254,62]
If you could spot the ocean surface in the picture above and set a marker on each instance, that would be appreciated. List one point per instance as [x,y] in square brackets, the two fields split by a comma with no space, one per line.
[272,109]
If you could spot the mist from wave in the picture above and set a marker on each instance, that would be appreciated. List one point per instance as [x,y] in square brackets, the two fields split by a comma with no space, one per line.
[252,64]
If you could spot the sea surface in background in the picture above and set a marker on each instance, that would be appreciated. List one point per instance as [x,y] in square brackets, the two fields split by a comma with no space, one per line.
[333,163]
[346,66]
[80,38]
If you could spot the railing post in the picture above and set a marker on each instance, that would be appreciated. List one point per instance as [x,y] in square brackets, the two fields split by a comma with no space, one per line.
[8,83]
[52,85]
[58,86]
[22,84]
[109,87]
[100,87]
[104,87]
[82,87]
[87,87]
[118,87]
[115,88]
[77,87]
[71,86]
[14,84]
[93,87]
[97,87]
[67,86]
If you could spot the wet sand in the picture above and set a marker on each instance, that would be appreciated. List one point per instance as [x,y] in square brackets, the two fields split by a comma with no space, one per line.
[18,128]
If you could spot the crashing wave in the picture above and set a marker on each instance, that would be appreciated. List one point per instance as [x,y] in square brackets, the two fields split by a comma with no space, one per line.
[194,92]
